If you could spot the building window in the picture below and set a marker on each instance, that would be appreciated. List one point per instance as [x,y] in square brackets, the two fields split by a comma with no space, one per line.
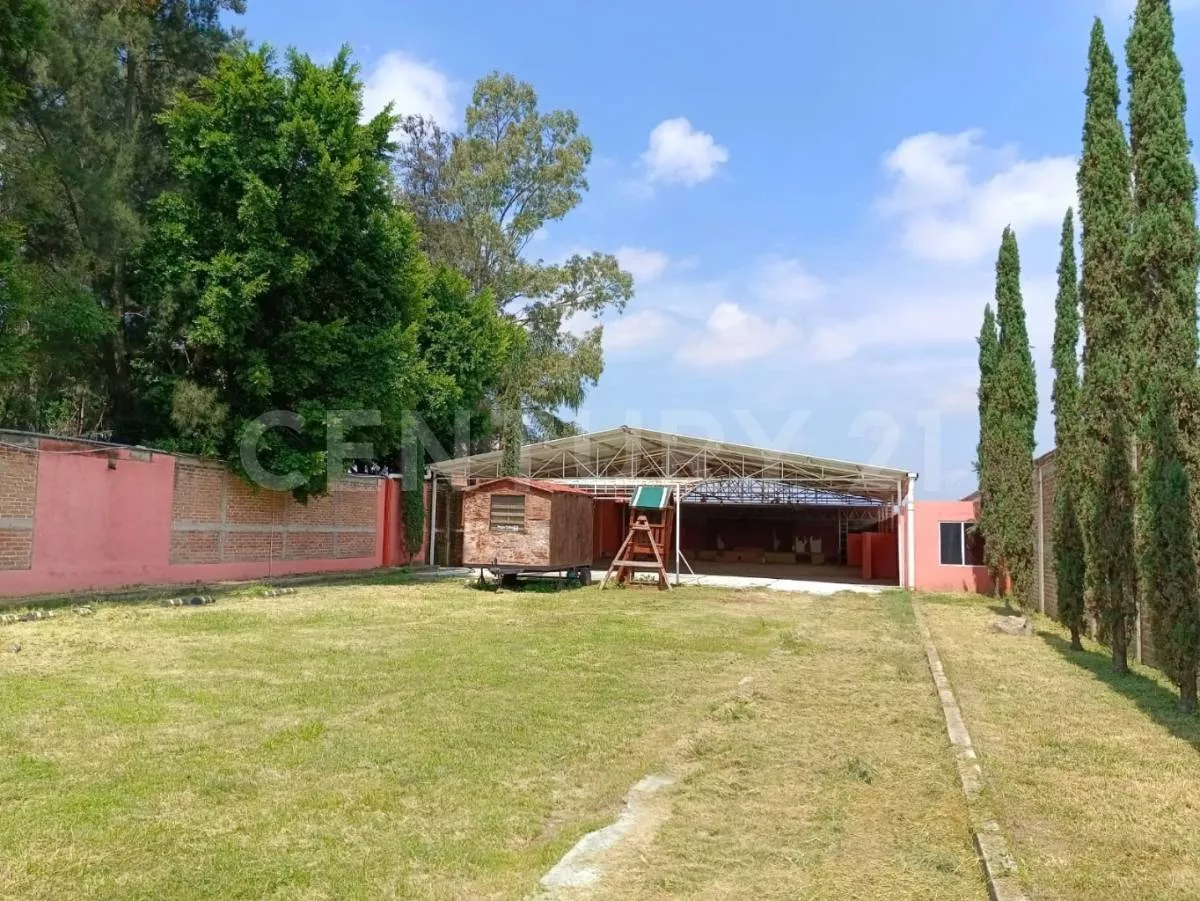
[508,513]
[961,544]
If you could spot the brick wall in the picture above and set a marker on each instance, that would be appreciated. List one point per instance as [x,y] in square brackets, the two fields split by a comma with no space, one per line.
[218,518]
[78,516]
[1043,520]
[18,498]
[1140,640]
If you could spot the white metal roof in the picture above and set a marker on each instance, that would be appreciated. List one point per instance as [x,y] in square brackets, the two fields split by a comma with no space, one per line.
[630,456]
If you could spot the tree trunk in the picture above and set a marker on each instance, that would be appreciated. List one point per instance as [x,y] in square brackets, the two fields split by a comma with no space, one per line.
[1076,644]
[1187,691]
[1120,647]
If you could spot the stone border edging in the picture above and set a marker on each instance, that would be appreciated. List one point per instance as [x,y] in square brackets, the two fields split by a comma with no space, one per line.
[999,865]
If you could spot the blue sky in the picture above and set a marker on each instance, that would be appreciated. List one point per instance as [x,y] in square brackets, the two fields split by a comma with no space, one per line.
[809,194]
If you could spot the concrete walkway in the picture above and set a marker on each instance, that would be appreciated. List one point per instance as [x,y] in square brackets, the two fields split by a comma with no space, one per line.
[807,586]
[434,573]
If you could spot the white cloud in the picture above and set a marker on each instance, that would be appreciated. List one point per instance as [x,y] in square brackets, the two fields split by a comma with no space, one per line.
[930,169]
[644,265]
[959,394]
[949,214]
[912,318]
[635,330]
[680,153]
[412,87]
[785,281]
[733,335]
[898,321]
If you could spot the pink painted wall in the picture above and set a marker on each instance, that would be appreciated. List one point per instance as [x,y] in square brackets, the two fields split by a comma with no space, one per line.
[931,574]
[103,520]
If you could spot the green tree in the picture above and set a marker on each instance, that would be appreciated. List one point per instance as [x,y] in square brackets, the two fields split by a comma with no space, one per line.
[1162,252]
[1069,565]
[464,343]
[1105,209]
[1013,393]
[14,309]
[1170,581]
[1162,257]
[479,198]
[985,466]
[281,275]
[1112,515]
[83,155]
[22,31]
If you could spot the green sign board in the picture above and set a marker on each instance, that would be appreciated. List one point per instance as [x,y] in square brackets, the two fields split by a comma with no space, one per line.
[651,497]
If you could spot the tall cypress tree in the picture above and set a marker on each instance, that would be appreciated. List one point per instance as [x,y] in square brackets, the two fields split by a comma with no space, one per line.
[989,350]
[1112,523]
[1162,257]
[1162,253]
[1014,393]
[1105,208]
[1066,531]
[1169,566]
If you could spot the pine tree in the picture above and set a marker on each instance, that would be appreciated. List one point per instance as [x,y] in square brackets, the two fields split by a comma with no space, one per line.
[1112,523]
[1105,208]
[1067,535]
[989,349]
[1162,257]
[1014,395]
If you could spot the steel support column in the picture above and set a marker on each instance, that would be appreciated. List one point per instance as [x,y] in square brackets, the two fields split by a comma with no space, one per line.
[910,528]
[678,529]
[433,520]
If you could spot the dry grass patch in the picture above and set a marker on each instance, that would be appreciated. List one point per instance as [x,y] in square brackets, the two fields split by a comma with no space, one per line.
[1093,775]
[826,775]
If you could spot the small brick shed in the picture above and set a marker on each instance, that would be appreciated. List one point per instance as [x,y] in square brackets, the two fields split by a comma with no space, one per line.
[523,522]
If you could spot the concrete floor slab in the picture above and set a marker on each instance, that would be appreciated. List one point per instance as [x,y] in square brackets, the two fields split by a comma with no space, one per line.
[805,586]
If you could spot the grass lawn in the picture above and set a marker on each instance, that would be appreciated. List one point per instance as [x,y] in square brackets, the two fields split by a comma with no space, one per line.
[432,741]
[1095,777]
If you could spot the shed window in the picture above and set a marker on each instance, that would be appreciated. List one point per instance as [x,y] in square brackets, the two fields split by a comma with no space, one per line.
[508,513]
[961,544]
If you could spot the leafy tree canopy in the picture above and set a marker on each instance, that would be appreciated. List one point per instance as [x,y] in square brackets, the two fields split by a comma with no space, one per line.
[479,198]
[280,274]
[83,154]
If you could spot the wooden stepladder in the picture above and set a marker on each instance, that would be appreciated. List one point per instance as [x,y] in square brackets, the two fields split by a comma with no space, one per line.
[642,549]
[644,546]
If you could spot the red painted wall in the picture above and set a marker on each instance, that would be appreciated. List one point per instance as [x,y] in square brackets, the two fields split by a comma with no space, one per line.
[608,528]
[104,518]
[884,560]
[854,549]
[395,550]
[931,574]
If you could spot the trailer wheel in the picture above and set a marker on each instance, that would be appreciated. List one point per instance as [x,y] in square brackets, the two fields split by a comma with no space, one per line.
[509,581]
[585,575]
